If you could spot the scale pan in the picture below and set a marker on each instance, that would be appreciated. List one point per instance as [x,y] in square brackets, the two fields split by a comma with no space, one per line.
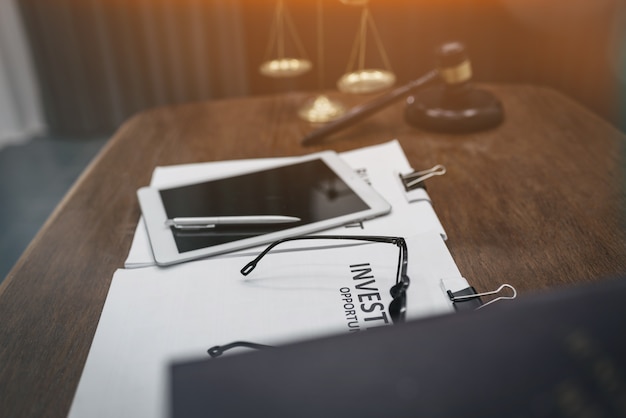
[285,67]
[366,81]
[321,109]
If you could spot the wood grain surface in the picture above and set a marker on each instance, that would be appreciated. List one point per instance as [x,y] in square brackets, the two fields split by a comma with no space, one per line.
[537,202]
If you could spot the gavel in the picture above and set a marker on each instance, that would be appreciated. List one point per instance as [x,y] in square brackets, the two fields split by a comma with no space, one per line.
[441,100]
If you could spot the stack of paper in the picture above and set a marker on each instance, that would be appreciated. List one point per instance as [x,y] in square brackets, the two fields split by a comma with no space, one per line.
[154,316]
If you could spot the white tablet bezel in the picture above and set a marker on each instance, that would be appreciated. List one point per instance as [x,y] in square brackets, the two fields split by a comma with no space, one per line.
[164,246]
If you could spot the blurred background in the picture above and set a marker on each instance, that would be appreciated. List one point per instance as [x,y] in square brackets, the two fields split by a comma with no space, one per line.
[71,71]
[95,62]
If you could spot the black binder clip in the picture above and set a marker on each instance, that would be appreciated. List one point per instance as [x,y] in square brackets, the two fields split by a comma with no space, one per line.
[468,299]
[416,179]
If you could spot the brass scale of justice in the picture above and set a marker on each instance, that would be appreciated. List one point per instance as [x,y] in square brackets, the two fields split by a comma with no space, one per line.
[442,100]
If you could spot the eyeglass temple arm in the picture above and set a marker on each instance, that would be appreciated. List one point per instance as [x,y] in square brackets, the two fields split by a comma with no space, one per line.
[218,350]
[247,269]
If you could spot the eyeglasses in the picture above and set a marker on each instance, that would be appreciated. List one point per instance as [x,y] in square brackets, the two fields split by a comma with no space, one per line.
[397,307]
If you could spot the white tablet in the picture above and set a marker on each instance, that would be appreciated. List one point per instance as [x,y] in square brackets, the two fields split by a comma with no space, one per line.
[316,192]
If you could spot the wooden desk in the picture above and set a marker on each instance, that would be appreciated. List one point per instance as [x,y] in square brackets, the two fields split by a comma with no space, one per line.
[537,202]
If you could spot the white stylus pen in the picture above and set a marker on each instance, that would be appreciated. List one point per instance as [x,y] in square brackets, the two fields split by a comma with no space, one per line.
[211,221]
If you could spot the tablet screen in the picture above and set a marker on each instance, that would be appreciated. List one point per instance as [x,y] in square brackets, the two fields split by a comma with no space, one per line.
[309,190]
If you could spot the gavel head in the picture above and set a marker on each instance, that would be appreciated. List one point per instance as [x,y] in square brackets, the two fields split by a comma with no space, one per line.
[455,105]
[453,64]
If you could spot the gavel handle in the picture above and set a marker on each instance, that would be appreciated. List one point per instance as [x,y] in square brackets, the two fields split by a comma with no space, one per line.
[366,109]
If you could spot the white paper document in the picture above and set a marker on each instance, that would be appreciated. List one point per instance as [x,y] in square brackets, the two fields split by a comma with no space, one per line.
[379,165]
[301,290]
[305,289]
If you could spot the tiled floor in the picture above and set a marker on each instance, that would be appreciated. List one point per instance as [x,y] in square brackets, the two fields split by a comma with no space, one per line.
[33,178]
